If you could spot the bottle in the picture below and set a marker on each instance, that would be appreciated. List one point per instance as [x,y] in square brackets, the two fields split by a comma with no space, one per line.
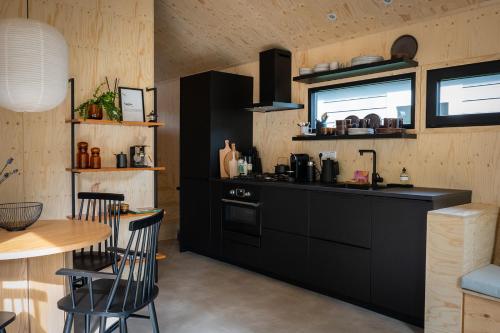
[404,178]
[249,165]
[233,163]
[240,166]
[245,166]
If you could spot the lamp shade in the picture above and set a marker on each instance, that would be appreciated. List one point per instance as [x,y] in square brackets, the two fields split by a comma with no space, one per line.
[33,66]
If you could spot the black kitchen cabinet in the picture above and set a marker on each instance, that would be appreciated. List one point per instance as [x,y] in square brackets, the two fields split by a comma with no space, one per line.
[340,269]
[341,218]
[285,210]
[284,255]
[195,215]
[398,256]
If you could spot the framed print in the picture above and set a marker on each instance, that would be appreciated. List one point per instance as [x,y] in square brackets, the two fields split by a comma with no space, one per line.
[132,104]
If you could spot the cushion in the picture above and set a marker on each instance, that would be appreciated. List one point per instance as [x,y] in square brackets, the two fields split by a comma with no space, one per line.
[485,280]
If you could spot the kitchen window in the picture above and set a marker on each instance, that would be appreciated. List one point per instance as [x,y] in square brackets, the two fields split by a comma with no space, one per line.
[388,97]
[467,95]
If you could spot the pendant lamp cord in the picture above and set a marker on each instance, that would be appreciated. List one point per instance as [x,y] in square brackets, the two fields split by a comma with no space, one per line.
[27,9]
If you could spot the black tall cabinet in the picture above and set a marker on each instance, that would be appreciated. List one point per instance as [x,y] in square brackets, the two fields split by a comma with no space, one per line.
[212,110]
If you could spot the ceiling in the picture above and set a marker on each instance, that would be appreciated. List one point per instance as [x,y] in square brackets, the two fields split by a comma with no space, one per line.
[197,35]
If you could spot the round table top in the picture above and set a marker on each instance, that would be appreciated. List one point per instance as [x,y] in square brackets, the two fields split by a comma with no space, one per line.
[47,237]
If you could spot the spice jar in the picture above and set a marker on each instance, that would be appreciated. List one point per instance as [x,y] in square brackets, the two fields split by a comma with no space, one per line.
[95,159]
[82,157]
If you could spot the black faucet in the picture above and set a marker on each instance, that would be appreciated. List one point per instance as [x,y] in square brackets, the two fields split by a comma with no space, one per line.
[375,176]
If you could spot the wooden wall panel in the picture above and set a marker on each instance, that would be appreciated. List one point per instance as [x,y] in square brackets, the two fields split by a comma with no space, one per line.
[168,154]
[111,38]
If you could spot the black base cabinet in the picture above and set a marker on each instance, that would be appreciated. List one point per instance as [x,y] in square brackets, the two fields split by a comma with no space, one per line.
[284,255]
[398,256]
[285,210]
[340,269]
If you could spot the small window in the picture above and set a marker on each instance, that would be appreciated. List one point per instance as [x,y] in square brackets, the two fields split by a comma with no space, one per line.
[466,95]
[388,97]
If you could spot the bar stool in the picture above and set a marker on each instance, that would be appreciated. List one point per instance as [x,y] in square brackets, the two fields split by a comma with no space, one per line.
[5,319]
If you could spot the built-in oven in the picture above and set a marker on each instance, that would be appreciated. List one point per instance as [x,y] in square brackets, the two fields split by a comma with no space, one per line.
[241,215]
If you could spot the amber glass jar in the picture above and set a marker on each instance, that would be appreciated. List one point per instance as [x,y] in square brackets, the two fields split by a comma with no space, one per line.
[95,159]
[94,112]
[82,157]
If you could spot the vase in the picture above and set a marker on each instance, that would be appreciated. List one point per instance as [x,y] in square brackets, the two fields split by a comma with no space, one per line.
[94,112]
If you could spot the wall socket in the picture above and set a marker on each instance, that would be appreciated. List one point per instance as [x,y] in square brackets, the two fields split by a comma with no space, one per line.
[329,154]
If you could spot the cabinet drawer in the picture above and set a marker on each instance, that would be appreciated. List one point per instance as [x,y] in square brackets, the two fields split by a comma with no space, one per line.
[284,210]
[340,269]
[341,218]
[284,254]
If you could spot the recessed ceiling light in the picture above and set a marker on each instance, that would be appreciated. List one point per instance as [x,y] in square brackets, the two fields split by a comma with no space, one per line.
[387,2]
[332,16]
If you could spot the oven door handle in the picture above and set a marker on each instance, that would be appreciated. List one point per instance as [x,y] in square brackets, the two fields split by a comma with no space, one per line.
[243,203]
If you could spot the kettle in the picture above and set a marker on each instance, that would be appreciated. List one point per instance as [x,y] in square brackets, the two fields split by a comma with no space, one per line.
[329,171]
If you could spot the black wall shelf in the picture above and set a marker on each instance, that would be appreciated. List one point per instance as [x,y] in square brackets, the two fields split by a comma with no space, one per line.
[355,137]
[377,67]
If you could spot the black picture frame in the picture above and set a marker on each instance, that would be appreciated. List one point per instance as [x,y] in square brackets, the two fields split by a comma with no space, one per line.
[120,98]
[434,78]
[411,76]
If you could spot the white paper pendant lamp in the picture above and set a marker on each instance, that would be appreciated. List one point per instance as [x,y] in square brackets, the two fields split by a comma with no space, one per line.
[33,66]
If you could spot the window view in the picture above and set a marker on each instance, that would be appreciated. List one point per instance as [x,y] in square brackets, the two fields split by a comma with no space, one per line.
[467,95]
[390,98]
[471,95]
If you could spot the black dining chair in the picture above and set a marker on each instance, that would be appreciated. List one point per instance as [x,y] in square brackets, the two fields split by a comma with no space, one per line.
[101,208]
[5,319]
[121,294]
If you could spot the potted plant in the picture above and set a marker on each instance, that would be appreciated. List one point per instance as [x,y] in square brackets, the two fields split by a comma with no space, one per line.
[93,108]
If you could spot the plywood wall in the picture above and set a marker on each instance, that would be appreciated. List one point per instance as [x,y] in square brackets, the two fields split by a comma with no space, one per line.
[111,38]
[464,158]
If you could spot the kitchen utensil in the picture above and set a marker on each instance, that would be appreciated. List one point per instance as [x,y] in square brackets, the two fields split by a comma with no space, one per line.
[82,157]
[305,71]
[281,168]
[374,120]
[305,128]
[334,65]
[361,60]
[121,160]
[393,122]
[330,131]
[138,156]
[95,159]
[329,170]
[364,123]
[298,163]
[233,162]
[404,47]
[228,158]
[360,131]
[323,130]
[20,215]
[354,120]
[222,154]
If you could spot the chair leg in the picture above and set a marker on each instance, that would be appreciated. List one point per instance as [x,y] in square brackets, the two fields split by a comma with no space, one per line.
[152,317]
[2,330]
[68,324]
[102,325]
[123,325]
[87,323]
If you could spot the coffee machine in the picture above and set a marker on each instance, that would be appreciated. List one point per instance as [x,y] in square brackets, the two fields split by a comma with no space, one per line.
[138,156]
[298,166]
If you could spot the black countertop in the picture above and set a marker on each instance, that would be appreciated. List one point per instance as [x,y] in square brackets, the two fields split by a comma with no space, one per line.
[416,193]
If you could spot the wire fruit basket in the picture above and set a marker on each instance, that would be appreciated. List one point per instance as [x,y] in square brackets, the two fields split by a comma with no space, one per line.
[19,215]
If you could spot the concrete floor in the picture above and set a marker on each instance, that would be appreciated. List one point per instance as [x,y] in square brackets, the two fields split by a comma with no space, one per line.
[201,295]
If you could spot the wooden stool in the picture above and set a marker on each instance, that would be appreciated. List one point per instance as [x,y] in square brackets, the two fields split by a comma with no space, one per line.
[5,319]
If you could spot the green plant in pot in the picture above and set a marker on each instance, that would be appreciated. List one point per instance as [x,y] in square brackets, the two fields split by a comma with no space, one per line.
[93,108]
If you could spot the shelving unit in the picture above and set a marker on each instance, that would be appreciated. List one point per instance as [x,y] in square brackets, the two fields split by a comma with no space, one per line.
[114,122]
[75,121]
[355,137]
[377,67]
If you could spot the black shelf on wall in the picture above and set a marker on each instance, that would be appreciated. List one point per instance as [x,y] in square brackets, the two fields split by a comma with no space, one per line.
[377,67]
[355,137]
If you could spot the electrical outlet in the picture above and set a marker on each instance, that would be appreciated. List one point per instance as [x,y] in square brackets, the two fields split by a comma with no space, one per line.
[329,154]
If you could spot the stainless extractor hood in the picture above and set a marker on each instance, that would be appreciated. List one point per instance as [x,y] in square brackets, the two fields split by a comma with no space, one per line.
[275,82]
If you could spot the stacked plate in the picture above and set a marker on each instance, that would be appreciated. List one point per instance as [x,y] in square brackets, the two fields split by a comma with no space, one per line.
[321,68]
[361,60]
[305,71]
[360,131]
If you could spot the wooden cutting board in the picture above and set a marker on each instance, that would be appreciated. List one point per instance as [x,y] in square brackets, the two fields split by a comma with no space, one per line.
[224,170]
[229,157]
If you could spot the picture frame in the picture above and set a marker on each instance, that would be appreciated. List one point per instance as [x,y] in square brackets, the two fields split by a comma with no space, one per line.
[132,104]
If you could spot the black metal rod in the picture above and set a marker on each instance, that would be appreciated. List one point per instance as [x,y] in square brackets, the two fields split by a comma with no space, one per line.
[155,152]
[72,117]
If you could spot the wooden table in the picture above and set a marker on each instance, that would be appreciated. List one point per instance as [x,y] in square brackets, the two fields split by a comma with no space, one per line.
[28,261]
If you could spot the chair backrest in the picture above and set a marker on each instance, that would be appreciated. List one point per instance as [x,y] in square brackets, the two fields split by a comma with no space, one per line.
[102,208]
[140,253]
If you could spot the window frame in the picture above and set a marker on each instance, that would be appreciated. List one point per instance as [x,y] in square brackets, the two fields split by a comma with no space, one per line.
[411,76]
[434,78]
